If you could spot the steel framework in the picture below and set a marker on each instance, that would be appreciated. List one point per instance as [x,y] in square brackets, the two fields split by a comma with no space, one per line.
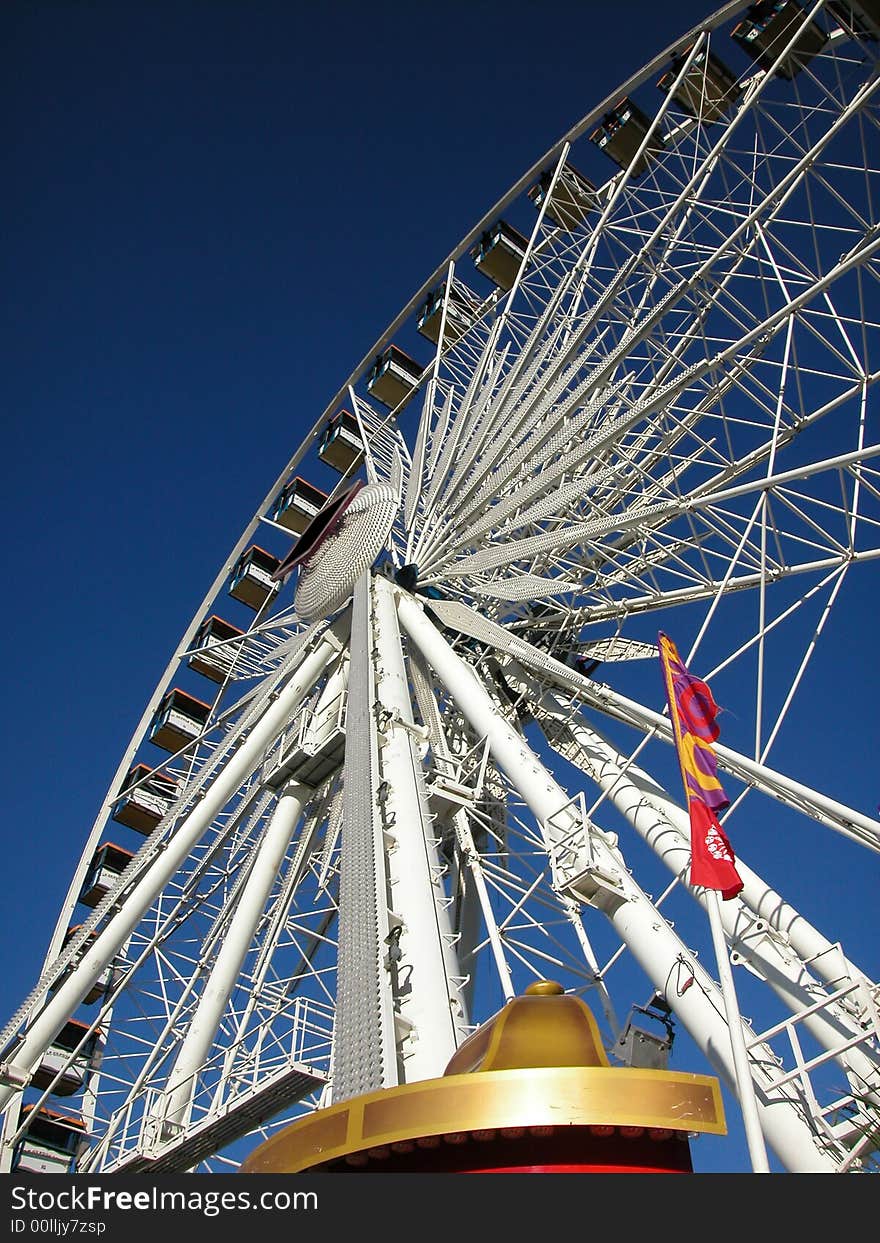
[436,765]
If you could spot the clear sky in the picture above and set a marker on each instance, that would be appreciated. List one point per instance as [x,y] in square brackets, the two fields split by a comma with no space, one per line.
[212,209]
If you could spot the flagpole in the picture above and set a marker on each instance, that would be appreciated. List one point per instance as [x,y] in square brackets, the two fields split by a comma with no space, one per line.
[716,873]
[745,1085]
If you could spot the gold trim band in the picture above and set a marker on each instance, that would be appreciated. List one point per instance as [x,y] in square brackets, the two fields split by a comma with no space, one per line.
[558,1097]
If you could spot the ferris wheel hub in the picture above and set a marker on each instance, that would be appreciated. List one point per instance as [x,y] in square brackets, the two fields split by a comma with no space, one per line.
[348,548]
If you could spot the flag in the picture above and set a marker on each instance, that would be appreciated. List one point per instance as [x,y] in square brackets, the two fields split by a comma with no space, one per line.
[693,711]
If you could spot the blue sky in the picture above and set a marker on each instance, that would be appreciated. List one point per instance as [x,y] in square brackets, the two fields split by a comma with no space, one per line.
[212,210]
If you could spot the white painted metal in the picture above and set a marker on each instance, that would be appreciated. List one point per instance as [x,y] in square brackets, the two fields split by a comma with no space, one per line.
[445,768]
[667,419]
[174,1108]
[431,1006]
[664,825]
[651,940]
[365,1037]
[94,961]
[742,1070]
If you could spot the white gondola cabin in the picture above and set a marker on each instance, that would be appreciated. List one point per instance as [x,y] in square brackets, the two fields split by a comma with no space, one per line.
[251,580]
[297,504]
[144,798]
[459,316]
[769,26]
[57,1070]
[499,253]
[393,377]
[108,862]
[179,719]
[573,198]
[51,1144]
[708,88]
[209,659]
[341,445]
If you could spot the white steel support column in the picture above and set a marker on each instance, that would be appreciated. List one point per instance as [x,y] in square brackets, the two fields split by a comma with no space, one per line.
[364,1039]
[472,877]
[665,827]
[176,1104]
[654,945]
[432,1005]
[767,904]
[58,1009]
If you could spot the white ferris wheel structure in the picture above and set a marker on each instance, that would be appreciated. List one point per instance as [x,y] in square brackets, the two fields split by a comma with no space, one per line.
[405,766]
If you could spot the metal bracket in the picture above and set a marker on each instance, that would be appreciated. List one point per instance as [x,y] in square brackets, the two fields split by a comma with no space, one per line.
[576,871]
[12,1076]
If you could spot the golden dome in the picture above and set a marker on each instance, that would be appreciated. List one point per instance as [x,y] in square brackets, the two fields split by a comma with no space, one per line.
[533,1084]
[544,1027]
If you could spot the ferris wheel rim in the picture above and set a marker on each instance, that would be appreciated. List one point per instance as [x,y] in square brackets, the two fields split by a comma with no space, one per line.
[718,18]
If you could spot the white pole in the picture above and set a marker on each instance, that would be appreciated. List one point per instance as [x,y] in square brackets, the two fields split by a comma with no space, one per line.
[653,943]
[745,1085]
[221,980]
[473,862]
[432,1001]
[96,958]
[364,1055]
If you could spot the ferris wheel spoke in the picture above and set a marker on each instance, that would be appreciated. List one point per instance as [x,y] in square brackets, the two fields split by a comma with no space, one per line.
[619,428]
[600,696]
[589,533]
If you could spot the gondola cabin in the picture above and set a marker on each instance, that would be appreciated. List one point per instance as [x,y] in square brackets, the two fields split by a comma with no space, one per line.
[108,863]
[105,980]
[622,133]
[56,1061]
[459,316]
[767,29]
[297,504]
[862,17]
[214,651]
[393,377]
[178,720]
[51,1143]
[341,445]
[572,200]
[251,580]
[499,253]
[144,798]
[707,90]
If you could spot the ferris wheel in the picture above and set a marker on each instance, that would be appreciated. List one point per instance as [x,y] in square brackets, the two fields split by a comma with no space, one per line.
[412,755]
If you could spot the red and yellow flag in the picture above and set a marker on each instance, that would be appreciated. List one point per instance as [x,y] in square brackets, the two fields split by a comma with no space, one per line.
[693,710]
